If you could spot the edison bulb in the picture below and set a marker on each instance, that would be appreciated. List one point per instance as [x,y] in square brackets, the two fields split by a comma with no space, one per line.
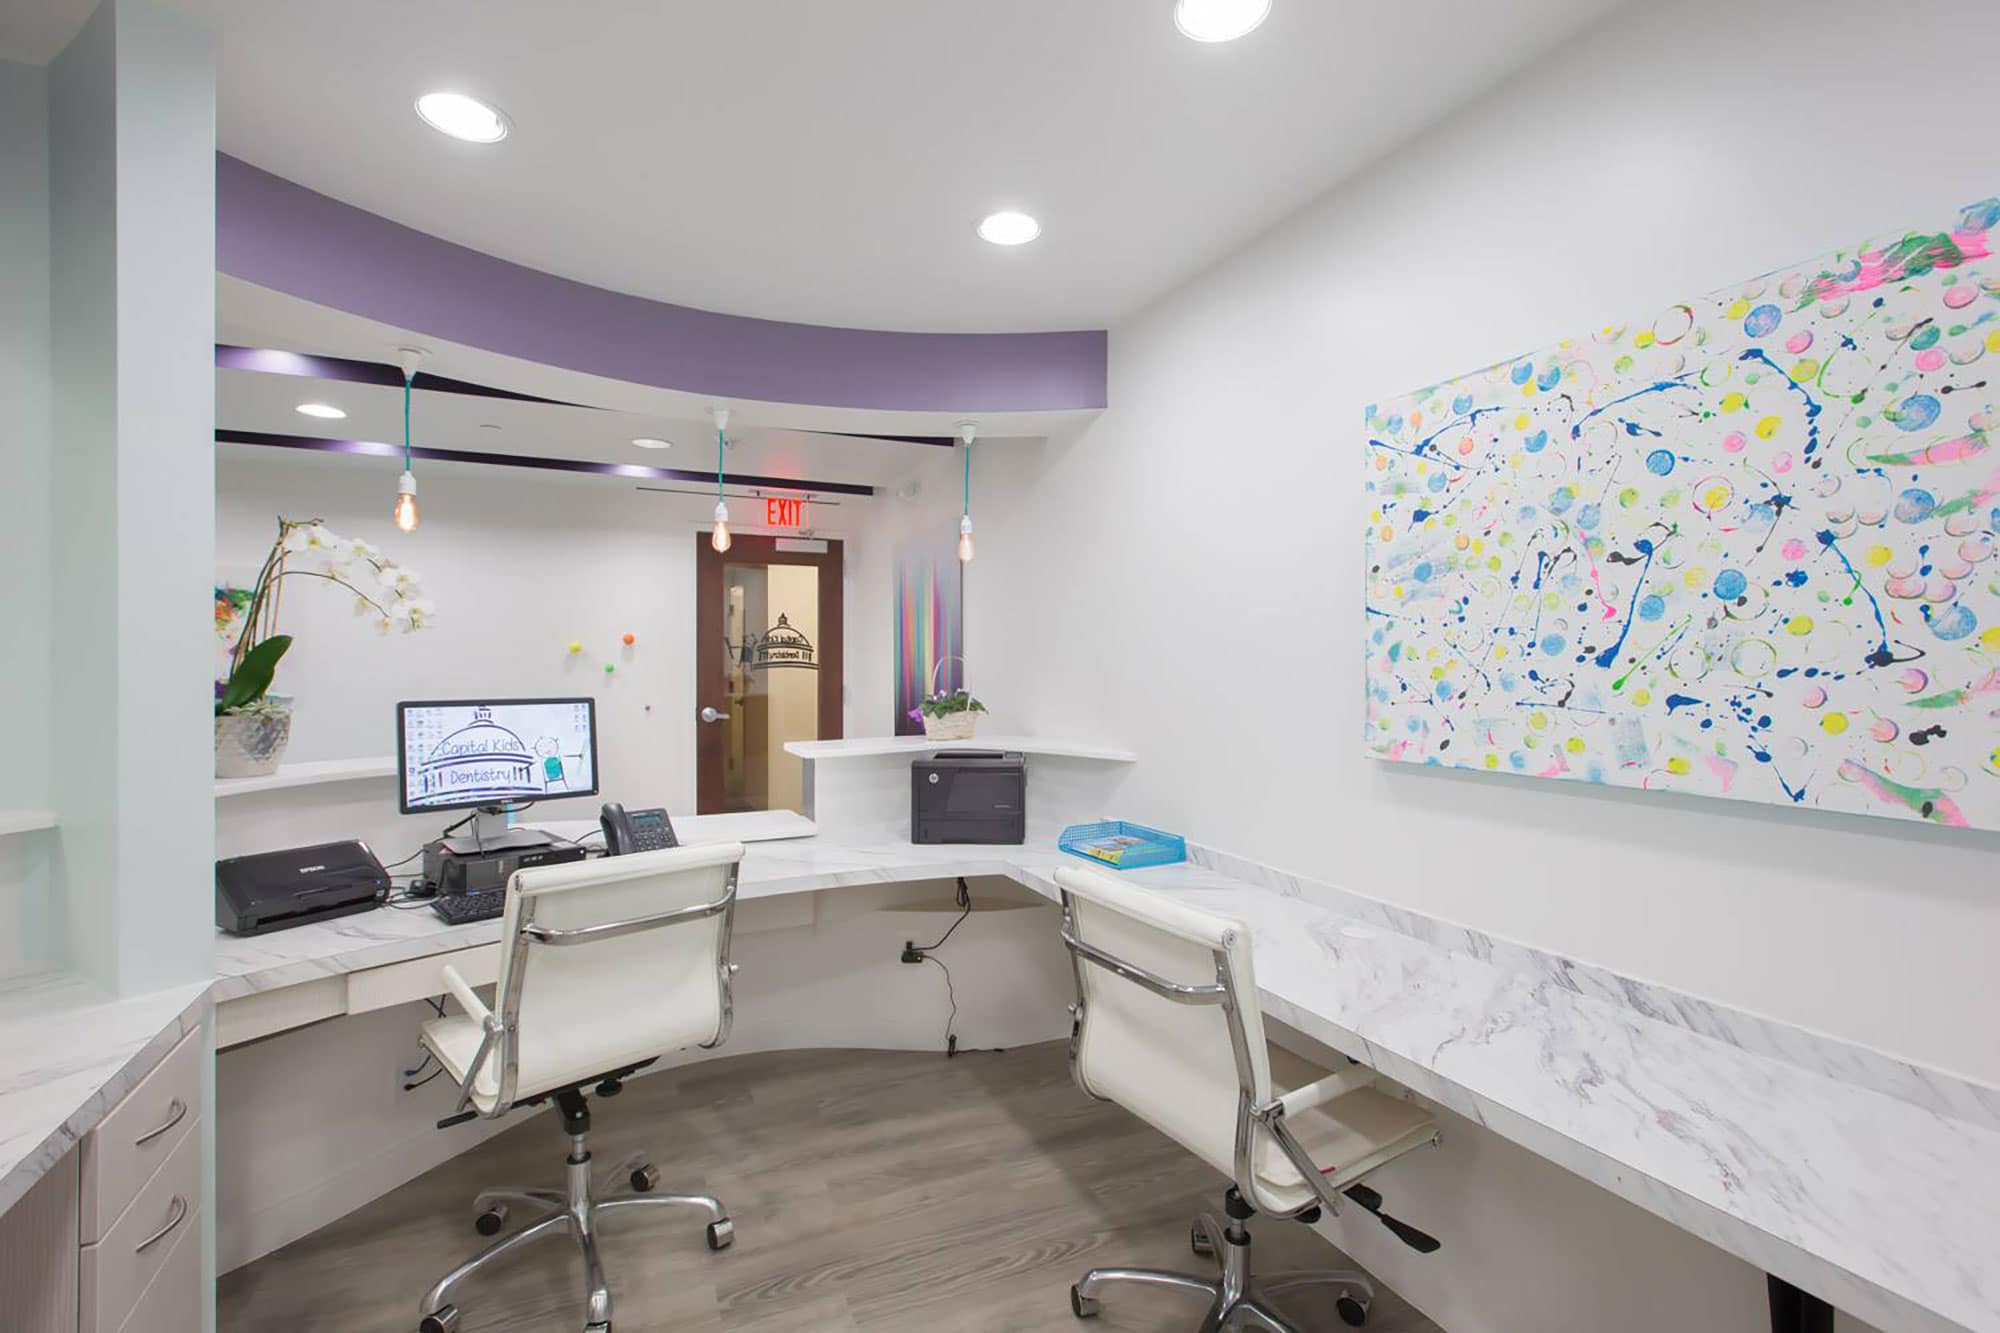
[965,539]
[719,538]
[406,502]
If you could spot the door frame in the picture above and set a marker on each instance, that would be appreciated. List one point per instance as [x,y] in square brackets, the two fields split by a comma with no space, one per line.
[757,549]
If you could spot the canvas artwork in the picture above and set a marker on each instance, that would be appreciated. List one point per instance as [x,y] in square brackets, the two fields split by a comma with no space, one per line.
[1743,547]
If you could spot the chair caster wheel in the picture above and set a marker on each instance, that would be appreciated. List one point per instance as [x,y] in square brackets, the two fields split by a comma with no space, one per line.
[721,1235]
[597,1328]
[1352,1309]
[490,1220]
[1198,1242]
[1082,1306]
[645,1178]
[444,1321]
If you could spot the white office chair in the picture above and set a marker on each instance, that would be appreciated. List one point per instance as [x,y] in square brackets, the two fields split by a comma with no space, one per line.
[1168,1025]
[605,966]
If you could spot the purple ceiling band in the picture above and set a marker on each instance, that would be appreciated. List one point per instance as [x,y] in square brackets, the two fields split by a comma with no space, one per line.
[637,471]
[281,235]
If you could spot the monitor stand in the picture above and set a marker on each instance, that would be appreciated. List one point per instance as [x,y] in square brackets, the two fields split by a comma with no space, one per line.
[491,834]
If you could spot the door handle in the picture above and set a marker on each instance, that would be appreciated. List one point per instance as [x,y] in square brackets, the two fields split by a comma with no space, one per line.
[710,715]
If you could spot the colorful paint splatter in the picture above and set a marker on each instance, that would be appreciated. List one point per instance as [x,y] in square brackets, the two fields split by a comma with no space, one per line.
[1745,548]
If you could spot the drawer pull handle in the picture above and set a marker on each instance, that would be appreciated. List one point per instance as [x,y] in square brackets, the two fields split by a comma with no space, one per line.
[176,1112]
[180,1212]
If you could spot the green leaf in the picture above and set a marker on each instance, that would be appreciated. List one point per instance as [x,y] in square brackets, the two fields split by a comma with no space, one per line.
[252,677]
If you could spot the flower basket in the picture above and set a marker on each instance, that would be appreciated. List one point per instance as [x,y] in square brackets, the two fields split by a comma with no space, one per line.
[951,727]
[956,715]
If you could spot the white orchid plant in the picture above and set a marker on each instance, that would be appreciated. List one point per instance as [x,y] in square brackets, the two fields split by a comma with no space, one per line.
[383,590]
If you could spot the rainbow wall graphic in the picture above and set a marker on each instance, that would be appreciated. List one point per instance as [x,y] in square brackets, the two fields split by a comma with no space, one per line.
[1743,547]
[929,625]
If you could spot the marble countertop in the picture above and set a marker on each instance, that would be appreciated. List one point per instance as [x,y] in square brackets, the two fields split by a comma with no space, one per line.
[68,1054]
[863,747]
[1882,1203]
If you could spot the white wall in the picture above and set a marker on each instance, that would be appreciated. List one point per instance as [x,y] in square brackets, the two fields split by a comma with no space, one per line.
[121,501]
[24,536]
[1210,522]
[520,564]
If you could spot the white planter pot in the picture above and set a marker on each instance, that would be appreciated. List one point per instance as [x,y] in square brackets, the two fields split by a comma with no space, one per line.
[251,745]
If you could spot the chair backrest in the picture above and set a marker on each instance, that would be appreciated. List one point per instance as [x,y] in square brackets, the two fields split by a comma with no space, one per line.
[1168,1024]
[612,962]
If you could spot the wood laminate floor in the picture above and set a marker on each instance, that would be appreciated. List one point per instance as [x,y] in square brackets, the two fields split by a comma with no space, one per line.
[878,1191]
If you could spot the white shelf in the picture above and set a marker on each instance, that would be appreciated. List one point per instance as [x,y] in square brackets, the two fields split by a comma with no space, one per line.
[308,775]
[25,821]
[866,746]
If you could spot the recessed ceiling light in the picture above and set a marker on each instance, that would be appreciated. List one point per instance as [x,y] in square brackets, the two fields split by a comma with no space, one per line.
[1219,20]
[1008,227]
[324,411]
[462,117]
[653,442]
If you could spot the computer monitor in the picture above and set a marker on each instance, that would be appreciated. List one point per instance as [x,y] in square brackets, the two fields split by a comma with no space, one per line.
[492,753]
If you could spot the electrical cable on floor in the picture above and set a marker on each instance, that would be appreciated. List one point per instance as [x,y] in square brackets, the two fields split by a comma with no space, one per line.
[412,1087]
[950,1037]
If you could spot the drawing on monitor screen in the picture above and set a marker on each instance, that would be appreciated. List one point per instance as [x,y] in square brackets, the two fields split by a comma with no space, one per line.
[494,754]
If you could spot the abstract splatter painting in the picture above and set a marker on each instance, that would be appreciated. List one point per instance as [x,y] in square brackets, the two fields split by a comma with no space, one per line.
[1743,547]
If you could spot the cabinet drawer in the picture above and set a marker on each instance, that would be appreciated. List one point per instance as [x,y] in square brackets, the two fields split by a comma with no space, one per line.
[127,1147]
[136,1248]
[172,1304]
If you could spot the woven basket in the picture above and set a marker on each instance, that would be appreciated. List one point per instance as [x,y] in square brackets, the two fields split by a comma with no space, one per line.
[952,726]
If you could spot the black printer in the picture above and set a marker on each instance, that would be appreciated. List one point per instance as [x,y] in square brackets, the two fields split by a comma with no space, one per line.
[977,796]
[273,890]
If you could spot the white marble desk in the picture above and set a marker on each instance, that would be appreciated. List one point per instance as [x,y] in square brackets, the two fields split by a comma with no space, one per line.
[68,1054]
[1886,1205]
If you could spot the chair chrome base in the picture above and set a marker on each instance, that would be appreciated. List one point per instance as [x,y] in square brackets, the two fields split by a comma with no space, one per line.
[576,1211]
[1236,1299]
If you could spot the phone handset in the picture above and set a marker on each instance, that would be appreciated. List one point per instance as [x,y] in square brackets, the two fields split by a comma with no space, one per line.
[619,835]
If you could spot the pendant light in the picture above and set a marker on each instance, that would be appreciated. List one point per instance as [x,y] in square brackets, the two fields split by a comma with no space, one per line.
[967,430]
[719,536]
[405,512]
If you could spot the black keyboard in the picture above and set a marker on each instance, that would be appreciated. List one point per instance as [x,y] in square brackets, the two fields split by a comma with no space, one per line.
[460,908]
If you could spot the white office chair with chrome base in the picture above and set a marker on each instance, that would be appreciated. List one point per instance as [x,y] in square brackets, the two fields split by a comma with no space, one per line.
[605,966]
[1168,1025]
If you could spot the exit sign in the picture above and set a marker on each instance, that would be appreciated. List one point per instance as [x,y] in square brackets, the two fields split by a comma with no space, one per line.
[782,513]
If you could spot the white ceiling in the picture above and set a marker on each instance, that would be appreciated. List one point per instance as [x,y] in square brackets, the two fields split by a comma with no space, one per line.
[34,32]
[825,160]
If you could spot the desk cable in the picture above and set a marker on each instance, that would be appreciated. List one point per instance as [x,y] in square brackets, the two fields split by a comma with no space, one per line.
[912,953]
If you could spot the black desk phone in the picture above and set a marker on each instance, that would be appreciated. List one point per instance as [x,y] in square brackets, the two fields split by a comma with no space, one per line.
[639,831]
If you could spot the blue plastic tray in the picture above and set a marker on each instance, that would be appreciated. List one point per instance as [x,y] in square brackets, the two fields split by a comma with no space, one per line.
[1118,845]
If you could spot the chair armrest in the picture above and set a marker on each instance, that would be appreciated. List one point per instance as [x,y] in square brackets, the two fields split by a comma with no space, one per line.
[1353,1079]
[468,1000]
